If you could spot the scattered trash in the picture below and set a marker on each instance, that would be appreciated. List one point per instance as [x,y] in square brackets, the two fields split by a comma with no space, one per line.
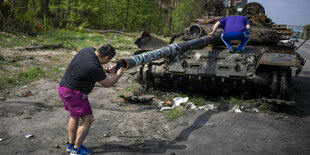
[2,98]
[238,111]
[1,139]
[206,124]
[160,104]
[166,108]
[130,80]
[191,105]
[255,110]
[235,109]
[62,69]
[179,100]
[168,103]
[29,136]
[210,107]
[201,107]
[106,135]
[27,93]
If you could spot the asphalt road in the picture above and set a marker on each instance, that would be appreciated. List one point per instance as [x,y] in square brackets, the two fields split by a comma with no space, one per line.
[247,133]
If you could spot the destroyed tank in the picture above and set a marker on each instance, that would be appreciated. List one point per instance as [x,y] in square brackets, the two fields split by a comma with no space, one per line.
[201,62]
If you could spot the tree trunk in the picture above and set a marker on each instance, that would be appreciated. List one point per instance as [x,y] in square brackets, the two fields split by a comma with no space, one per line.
[126,18]
[58,9]
[44,8]
[160,14]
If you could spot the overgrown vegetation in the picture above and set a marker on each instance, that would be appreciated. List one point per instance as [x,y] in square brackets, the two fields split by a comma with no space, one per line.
[28,76]
[267,106]
[174,114]
[72,39]
[157,16]
[198,100]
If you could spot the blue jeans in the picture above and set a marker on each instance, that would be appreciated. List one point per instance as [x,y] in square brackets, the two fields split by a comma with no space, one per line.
[244,37]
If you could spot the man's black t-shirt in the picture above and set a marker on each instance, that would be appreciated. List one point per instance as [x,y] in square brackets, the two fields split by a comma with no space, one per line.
[83,71]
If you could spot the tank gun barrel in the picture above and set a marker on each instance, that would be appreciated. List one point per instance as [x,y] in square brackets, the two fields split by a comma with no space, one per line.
[170,50]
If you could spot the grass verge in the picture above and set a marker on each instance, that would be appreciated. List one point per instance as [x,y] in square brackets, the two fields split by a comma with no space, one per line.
[174,114]
[73,39]
[28,76]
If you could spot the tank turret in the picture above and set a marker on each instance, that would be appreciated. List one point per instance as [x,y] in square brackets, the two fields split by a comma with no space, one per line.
[201,62]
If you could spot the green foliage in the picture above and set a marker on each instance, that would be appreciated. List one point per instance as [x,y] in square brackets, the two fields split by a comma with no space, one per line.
[1,57]
[165,17]
[267,106]
[174,114]
[129,89]
[198,100]
[234,100]
[72,39]
[28,76]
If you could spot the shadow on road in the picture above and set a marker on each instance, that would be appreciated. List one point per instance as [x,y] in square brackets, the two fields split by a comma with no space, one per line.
[160,146]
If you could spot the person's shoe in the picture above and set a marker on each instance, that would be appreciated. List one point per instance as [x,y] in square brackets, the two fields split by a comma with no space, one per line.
[69,147]
[82,150]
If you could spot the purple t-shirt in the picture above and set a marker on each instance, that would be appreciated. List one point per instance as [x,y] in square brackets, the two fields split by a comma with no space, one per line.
[234,23]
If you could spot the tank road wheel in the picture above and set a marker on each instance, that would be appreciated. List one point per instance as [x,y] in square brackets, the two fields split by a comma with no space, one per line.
[139,73]
[147,75]
[274,84]
[285,83]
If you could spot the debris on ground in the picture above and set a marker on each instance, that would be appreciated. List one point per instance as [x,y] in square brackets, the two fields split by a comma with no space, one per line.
[179,100]
[206,124]
[26,93]
[255,110]
[29,136]
[2,98]
[1,139]
[183,101]
[62,69]
[235,109]
[141,94]
[166,108]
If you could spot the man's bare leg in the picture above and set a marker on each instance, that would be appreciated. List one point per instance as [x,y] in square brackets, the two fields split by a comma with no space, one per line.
[83,129]
[72,129]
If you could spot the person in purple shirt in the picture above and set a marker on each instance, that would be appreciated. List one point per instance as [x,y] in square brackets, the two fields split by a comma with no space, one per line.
[235,28]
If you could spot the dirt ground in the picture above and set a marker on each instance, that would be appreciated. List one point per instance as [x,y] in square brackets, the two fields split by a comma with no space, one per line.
[126,128]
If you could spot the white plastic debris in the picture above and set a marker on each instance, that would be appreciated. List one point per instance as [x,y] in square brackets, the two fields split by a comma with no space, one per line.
[191,105]
[238,111]
[28,136]
[210,107]
[166,108]
[255,110]
[160,104]
[201,107]
[1,139]
[179,100]
[130,80]
[235,109]
[62,69]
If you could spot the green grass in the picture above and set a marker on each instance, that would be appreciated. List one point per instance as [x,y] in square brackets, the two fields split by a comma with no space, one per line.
[267,106]
[129,89]
[174,114]
[28,76]
[1,57]
[73,39]
[198,100]
[232,100]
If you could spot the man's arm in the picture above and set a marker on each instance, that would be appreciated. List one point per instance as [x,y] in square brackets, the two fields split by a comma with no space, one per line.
[109,82]
[216,25]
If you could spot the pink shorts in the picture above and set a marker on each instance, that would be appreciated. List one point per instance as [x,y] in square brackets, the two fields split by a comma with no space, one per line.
[76,102]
